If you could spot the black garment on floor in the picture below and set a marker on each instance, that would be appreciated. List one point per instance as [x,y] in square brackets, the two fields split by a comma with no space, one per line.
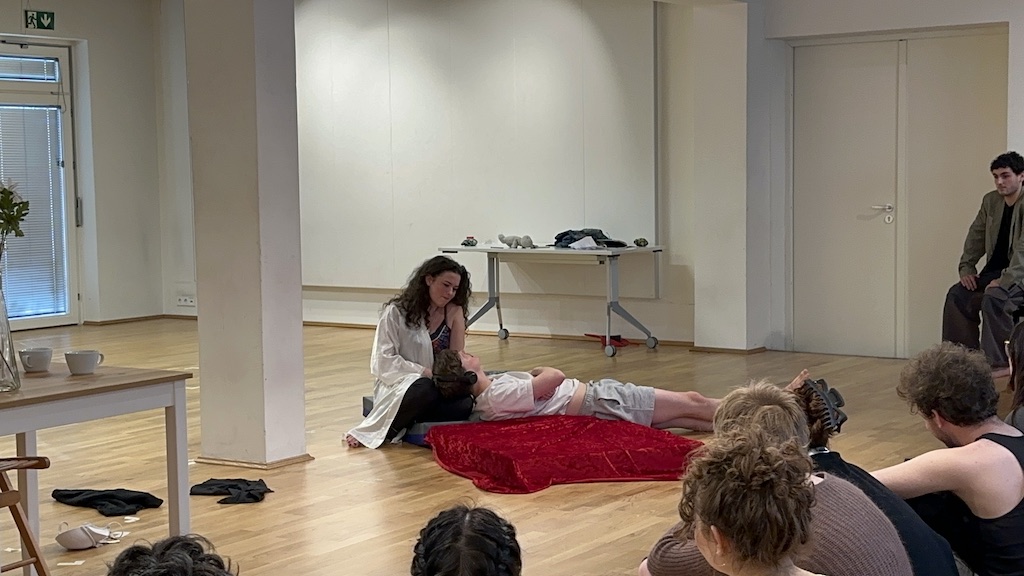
[237,490]
[117,502]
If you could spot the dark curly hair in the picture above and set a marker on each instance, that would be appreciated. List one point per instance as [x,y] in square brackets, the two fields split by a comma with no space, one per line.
[414,299]
[817,416]
[1015,352]
[952,381]
[755,491]
[464,541]
[189,555]
[448,363]
[1011,160]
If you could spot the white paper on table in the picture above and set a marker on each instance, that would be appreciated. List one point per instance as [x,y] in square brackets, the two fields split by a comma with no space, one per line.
[585,243]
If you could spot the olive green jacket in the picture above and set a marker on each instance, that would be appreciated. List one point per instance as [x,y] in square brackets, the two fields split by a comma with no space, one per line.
[981,239]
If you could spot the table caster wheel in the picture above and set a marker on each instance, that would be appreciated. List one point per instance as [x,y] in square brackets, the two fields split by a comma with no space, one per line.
[503,334]
[610,351]
[652,342]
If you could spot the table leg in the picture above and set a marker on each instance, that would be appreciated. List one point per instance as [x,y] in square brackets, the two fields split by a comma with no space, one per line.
[28,485]
[614,306]
[177,462]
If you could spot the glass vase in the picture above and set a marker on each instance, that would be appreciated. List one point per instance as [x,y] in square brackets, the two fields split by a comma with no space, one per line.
[10,380]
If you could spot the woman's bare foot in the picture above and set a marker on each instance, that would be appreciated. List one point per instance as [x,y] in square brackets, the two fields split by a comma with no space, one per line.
[799,380]
[352,442]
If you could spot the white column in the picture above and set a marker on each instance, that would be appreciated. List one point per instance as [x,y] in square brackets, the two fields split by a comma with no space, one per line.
[720,176]
[240,65]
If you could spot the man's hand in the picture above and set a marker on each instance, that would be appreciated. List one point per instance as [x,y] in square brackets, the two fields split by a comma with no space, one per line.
[993,284]
[970,281]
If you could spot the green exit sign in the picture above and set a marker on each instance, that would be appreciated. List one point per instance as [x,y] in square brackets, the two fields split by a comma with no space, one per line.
[38,20]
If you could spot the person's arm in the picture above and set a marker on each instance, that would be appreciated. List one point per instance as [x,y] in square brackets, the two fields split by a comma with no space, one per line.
[386,363]
[974,244]
[457,326]
[545,380]
[1014,272]
[673,556]
[935,471]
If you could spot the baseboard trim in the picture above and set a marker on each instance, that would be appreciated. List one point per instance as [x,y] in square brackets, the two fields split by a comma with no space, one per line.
[713,350]
[255,465]
[356,326]
[122,320]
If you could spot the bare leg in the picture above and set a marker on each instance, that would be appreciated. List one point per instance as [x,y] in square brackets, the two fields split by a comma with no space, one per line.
[688,423]
[671,406]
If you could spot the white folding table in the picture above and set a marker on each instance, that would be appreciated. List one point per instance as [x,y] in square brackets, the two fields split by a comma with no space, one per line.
[608,257]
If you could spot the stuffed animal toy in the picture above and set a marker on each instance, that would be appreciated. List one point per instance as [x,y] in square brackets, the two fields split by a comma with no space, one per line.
[516,241]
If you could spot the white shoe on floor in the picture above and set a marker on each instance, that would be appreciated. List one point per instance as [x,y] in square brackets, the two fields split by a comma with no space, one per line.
[87,536]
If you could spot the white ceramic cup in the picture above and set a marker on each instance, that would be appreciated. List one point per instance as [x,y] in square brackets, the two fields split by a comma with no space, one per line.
[36,359]
[83,361]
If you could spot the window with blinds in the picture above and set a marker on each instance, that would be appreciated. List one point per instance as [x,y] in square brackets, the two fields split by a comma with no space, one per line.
[35,268]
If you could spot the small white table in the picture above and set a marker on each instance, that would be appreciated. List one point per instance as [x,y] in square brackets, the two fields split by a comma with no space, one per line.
[56,398]
[609,257]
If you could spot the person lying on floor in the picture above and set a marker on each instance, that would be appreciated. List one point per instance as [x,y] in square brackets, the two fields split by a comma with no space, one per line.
[546,391]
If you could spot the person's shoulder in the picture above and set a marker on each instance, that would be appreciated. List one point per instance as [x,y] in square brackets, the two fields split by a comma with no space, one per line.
[512,376]
[453,312]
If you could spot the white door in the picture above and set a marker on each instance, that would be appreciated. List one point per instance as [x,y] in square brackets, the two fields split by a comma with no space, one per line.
[844,191]
[39,270]
[956,124]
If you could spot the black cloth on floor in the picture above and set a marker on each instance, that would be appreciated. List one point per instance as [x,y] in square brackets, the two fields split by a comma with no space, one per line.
[237,490]
[117,502]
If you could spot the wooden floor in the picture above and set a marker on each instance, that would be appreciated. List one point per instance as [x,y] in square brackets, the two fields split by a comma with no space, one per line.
[359,511]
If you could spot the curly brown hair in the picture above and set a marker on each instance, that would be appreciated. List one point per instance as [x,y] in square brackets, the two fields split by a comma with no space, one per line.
[766,405]
[755,491]
[414,299]
[447,363]
[952,381]
[817,416]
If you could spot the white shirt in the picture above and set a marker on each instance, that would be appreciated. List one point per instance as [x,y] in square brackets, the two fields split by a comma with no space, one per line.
[510,395]
[400,355]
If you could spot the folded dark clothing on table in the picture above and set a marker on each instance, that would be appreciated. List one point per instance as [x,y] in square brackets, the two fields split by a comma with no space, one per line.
[117,502]
[237,490]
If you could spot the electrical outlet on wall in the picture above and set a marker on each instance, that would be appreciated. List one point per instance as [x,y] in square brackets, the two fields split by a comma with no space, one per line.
[187,301]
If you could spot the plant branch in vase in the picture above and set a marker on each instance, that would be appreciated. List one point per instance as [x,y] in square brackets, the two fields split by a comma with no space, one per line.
[13,210]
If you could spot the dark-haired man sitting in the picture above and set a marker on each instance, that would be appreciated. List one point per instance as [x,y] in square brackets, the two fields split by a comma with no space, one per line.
[997,291]
[972,491]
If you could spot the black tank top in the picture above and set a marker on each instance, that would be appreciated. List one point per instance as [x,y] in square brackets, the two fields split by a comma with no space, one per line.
[1002,539]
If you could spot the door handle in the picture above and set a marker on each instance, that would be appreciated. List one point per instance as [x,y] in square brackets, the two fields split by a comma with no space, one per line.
[885,207]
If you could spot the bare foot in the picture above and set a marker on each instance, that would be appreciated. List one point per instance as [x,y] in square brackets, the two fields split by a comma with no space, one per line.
[352,442]
[1001,373]
[799,380]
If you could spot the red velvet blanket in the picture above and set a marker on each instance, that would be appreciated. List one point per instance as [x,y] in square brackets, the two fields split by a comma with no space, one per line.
[530,454]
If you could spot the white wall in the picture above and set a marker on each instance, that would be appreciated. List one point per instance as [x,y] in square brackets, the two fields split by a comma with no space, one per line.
[116,135]
[804,18]
[175,169]
[671,318]
[424,122]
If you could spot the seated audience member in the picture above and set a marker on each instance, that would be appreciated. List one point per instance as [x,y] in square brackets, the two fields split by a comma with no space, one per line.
[747,504]
[189,555]
[850,536]
[1015,352]
[972,491]
[463,541]
[546,391]
[930,554]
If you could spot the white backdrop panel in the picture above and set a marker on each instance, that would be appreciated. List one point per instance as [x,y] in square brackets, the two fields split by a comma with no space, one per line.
[618,106]
[344,143]
[470,117]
